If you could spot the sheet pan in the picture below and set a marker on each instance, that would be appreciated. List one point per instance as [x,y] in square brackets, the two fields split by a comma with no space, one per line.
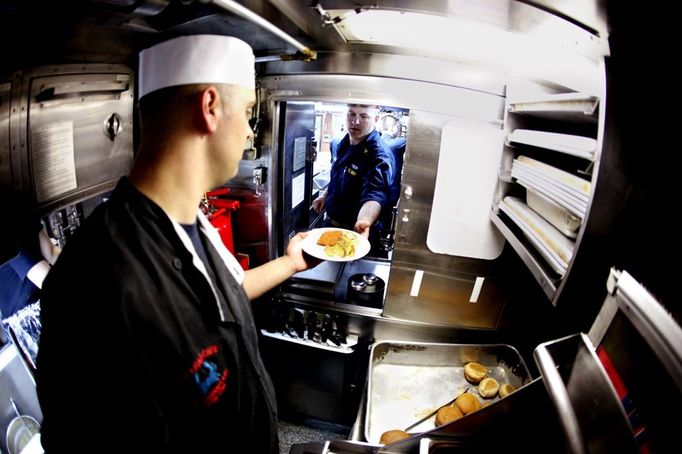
[407,380]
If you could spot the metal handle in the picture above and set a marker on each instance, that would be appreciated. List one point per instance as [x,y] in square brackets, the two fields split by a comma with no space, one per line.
[113,126]
[14,406]
[556,388]
[49,93]
[408,192]
[653,322]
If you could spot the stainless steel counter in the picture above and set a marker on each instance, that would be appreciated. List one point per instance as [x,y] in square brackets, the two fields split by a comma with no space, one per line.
[326,285]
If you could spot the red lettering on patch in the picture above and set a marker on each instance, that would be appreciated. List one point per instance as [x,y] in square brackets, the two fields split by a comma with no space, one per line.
[205,353]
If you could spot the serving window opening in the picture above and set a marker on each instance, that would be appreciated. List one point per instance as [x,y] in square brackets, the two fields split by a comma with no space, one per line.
[313,132]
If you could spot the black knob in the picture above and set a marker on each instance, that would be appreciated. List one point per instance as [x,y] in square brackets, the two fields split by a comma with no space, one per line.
[327,328]
[341,328]
[311,324]
[336,339]
[299,325]
[272,321]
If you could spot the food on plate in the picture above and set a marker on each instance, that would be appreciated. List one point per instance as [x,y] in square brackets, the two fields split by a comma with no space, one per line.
[467,403]
[488,387]
[392,436]
[339,243]
[475,372]
[329,238]
[506,390]
[448,414]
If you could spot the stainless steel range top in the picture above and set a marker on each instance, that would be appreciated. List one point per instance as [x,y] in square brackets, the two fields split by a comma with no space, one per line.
[360,283]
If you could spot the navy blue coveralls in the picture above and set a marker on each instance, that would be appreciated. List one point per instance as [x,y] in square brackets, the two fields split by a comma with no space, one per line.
[359,173]
[139,351]
[397,146]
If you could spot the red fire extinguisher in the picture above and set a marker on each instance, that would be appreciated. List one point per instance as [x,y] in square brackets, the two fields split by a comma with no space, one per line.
[219,212]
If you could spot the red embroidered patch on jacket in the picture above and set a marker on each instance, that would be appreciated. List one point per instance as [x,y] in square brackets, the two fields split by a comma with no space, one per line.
[206,373]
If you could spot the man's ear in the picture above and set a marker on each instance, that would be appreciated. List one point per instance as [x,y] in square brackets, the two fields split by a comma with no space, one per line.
[210,109]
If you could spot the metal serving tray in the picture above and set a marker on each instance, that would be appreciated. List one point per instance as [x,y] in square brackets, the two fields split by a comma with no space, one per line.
[408,380]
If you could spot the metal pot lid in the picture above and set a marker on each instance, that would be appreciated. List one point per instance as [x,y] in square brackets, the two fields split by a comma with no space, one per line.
[370,278]
[358,285]
[20,432]
[366,283]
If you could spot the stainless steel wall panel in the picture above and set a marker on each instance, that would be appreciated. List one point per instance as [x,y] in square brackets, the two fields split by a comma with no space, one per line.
[456,100]
[448,281]
[443,298]
[431,107]
[84,109]
[393,66]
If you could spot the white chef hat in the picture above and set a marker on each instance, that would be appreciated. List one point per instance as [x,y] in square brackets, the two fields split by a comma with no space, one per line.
[196,59]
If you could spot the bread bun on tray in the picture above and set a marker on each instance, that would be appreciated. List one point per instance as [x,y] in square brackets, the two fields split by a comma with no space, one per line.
[488,387]
[506,390]
[467,403]
[448,414]
[475,372]
[391,436]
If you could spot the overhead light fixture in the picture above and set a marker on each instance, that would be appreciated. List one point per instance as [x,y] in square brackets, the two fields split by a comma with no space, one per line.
[466,41]
[428,32]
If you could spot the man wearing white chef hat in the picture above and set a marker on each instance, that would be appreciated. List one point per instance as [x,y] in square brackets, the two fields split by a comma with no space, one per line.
[148,338]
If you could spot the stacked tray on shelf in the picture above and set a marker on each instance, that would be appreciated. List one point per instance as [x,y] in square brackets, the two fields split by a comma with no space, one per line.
[582,147]
[561,187]
[552,245]
[565,221]
[571,106]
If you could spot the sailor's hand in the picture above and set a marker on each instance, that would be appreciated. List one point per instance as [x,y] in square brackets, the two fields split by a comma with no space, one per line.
[362,227]
[318,204]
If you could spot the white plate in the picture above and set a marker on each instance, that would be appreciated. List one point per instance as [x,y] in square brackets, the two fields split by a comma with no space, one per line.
[310,245]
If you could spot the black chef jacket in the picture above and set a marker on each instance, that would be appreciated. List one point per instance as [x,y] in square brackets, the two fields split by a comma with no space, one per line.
[139,352]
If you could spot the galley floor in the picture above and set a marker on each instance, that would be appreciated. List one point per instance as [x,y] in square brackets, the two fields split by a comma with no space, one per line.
[291,433]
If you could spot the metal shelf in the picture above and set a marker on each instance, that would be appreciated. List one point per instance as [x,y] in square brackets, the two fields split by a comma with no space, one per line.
[544,278]
[566,114]
[583,147]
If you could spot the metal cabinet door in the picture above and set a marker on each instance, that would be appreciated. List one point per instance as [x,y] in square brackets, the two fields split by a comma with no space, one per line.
[78,130]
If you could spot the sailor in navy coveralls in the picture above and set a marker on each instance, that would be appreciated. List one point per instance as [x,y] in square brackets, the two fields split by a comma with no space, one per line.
[362,172]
